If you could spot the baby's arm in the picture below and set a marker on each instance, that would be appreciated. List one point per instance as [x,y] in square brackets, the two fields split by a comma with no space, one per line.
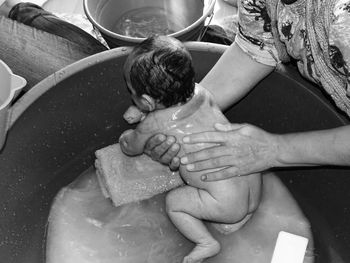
[134,115]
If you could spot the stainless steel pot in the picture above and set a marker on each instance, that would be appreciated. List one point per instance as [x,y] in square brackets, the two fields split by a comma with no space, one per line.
[188,14]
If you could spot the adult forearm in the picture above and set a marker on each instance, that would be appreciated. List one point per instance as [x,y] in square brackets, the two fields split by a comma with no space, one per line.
[233,76]
[327,147]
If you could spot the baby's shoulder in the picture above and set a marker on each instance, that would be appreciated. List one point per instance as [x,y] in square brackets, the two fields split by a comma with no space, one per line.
[154,122]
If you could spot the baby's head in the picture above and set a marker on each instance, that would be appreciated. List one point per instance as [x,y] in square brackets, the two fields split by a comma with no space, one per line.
[159,73]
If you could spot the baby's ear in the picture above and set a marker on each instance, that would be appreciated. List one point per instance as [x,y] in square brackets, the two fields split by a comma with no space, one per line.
[148,102]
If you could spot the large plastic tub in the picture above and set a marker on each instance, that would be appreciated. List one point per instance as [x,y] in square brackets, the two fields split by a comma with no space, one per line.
[57,126]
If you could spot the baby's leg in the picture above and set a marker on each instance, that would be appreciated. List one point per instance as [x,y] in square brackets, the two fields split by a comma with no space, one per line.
[186,206]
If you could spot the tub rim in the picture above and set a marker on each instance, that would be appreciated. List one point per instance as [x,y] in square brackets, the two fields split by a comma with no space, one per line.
[19,107]
[49,82]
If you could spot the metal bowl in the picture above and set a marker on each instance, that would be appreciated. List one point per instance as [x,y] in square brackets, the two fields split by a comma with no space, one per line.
[187,16]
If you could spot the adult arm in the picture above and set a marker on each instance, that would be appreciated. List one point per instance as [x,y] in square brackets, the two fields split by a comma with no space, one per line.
[246,149]
[233,76]
[252,149]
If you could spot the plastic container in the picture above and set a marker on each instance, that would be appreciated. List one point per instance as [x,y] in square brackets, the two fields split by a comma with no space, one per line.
[57,126]
[10,85]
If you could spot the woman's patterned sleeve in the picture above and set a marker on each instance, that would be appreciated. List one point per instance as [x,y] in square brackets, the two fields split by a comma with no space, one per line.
[254,32]
[339,39]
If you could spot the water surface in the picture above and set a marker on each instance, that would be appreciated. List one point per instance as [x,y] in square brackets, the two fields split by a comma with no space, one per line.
[86,227]
[143,22]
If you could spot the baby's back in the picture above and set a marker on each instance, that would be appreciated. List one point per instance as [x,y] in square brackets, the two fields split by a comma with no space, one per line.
[198,115]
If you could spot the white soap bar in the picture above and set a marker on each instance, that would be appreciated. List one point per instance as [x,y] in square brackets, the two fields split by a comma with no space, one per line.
[289,248]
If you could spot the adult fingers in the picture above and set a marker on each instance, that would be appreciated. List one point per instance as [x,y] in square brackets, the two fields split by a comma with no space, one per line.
[159,150]
[222,174]
[205,154]
[169,155]
[229,172]
[220,162]
[228,127]
[174,164]
[153,142]
[206,137]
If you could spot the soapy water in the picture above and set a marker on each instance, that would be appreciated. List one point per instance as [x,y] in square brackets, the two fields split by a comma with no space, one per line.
[84,226]
[143,22]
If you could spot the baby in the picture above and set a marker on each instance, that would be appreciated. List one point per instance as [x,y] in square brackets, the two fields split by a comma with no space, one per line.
[160,77]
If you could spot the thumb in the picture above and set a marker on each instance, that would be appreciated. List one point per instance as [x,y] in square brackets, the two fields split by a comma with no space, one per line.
[228,126]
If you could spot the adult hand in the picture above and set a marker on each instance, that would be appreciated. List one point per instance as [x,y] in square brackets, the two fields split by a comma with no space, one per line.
[164,149]
[242,149]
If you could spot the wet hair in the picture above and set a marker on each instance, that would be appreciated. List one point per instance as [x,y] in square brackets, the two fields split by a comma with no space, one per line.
[161,67]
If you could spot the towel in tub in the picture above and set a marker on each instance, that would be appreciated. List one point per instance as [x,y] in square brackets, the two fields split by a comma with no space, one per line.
[126,179]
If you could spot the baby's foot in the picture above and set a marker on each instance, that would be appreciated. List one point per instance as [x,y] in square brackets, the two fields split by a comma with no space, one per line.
[202,251]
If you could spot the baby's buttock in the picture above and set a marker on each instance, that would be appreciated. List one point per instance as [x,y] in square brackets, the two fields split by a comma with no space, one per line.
[232,190]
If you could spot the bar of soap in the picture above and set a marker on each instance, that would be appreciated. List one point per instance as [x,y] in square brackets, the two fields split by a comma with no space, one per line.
[289,248]
[127,179]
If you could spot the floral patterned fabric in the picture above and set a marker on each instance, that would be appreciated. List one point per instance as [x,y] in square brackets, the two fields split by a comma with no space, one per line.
[256,39]
[254,31]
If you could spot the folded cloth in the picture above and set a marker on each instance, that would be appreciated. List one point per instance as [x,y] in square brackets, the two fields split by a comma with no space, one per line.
[127,179]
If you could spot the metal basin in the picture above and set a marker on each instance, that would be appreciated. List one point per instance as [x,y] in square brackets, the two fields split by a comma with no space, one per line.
[57,126]
[128,22]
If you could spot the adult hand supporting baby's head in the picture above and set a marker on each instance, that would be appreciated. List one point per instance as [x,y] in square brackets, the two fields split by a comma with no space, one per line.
[164,149]
[242,149]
